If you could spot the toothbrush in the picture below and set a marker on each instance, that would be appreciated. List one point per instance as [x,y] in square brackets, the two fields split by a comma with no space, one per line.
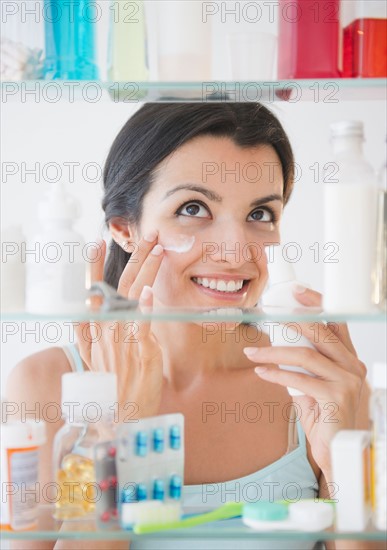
[227,511]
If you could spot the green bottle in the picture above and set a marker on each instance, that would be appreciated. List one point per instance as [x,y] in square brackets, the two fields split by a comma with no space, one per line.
[127,42]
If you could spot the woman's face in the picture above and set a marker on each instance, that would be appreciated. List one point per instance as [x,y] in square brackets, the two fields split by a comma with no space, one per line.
[222,195]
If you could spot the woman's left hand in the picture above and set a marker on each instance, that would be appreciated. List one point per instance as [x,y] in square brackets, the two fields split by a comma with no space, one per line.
[332,397]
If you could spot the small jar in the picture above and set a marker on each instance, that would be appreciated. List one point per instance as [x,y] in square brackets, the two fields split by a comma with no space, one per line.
[88,405]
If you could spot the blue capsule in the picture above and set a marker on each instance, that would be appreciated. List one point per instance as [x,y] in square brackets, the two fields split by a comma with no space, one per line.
[175,486]
[158,440]
[141,491]
[175,437]
[158,489]
[128,494]
[141,443]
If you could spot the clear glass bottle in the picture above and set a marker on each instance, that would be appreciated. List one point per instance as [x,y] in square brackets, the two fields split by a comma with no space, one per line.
[309,39]
[127,42]
[364,31]
[378,413]
[88,406]
[70,40]
[350,206]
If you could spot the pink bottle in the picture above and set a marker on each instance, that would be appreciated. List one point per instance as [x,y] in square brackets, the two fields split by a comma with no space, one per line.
[308,41]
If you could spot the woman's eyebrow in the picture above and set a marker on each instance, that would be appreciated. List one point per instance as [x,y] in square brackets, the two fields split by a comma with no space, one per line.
[211,195]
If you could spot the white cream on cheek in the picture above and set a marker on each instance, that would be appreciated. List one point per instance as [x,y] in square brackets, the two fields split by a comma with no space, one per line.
[178,243]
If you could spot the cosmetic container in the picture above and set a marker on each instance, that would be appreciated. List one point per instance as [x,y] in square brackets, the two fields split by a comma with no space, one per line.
[364,31]
[279,298]
[308,41]
[128,42]
[378,415]
[350,458]
[88,404]
[55,261]
[70,42]
[184,41]
[350,207]
[20,442]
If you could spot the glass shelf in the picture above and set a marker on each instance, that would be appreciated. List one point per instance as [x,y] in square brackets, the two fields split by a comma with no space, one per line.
[203,315]
[50,529]
[293,91]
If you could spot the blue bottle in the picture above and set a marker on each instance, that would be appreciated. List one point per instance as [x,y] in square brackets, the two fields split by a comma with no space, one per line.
[70,40]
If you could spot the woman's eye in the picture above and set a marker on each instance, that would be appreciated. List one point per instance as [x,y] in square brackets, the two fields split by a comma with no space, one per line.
[259,215]
[193,209]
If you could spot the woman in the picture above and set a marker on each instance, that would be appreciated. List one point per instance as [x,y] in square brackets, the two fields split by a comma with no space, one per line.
[180,173]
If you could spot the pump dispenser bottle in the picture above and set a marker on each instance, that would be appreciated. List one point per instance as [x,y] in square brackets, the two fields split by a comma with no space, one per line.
[279,299]
[350,208]
[56,269]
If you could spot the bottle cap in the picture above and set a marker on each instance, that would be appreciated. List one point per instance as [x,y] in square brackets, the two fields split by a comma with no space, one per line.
[23,435]
[280,269]
[379,375]
[58,205]
[344,128]
[265,511]
[80,389]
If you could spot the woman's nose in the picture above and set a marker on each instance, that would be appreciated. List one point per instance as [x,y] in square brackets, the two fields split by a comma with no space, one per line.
[229,243]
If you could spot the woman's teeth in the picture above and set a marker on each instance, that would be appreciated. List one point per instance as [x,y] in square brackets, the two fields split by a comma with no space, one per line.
[219,284]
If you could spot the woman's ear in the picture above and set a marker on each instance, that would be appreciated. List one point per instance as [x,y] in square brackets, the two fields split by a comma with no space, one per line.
[122,233]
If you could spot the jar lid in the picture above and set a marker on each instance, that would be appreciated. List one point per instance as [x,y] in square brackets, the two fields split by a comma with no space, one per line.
[22,435]
[344,128]
[265,511]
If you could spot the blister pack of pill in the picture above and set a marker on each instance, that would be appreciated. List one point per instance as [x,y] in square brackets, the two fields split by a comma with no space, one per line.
[106,480]
[150,459]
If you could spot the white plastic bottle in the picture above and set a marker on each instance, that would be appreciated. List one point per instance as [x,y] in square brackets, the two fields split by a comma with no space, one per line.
[350,208]
[56,268]
[378,415]
[279,298]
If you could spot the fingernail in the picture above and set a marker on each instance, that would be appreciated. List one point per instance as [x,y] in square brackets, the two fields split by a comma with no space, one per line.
[151,236]
[146,293]
[260,370]
[157,250]
[250,351]
[299,289]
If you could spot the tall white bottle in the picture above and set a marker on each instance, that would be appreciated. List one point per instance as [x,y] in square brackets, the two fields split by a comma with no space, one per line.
[350,208]
[56,268]
[279,298]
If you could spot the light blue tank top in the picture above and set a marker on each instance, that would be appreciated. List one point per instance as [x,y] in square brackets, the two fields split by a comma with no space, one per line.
[291,477]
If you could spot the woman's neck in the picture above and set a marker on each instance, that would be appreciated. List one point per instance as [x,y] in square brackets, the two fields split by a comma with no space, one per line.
[194,352]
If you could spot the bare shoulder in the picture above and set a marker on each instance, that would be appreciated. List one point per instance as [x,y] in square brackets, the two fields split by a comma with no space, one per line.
[38,376]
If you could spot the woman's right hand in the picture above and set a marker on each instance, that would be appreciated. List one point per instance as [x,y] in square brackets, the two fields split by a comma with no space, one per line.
[128,349]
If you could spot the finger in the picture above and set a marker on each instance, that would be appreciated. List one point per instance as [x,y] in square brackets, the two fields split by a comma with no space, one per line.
[340,330]
[307,358]
[308,385]
[307,296]
[149,347]
[326,341]
[148,272]
[135,263]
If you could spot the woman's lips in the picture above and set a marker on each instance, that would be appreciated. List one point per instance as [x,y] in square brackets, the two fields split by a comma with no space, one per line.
[222,295]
